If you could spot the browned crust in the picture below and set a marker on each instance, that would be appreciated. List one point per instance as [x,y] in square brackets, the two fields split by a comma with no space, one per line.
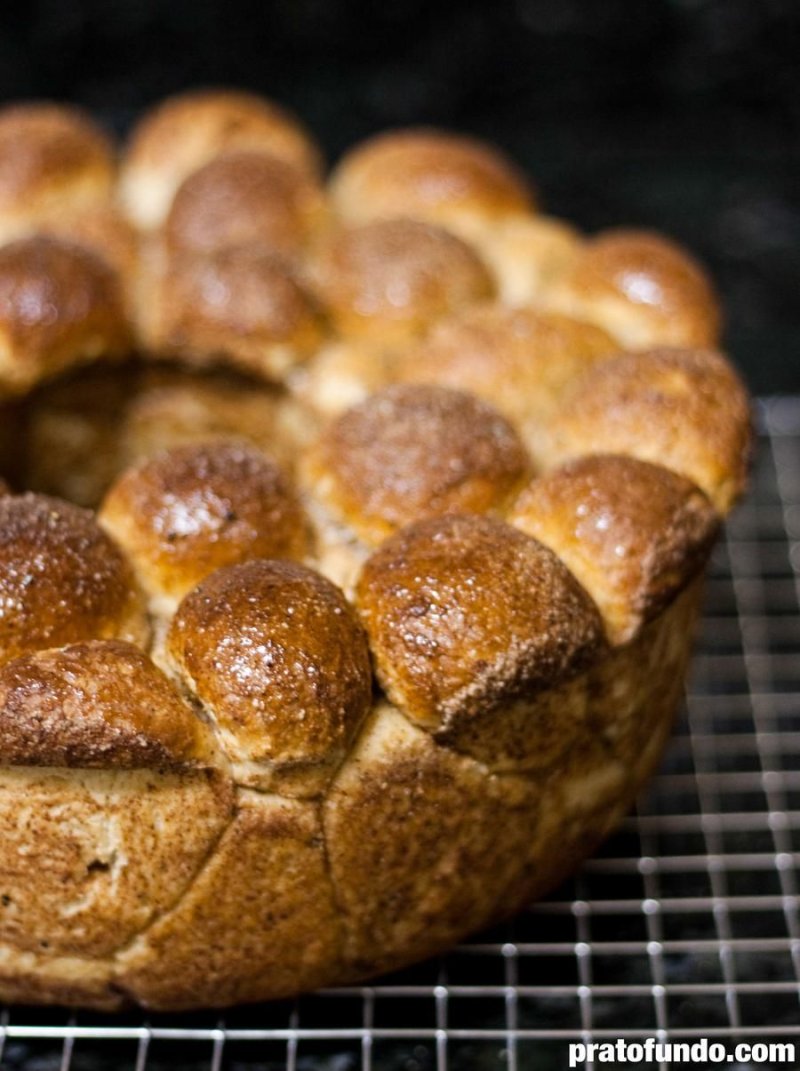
[60,305]
[276,654]
[186,131]
[643,288]
[427,174]
[62,580]
[634,534]
[687,410]
[244,198]
[465,614]
[173,408]
[237,306]
[190,510]
[99,704]
[521,360]
[388,280]
[259,920]
[412,451]
[51,154]
[91,857]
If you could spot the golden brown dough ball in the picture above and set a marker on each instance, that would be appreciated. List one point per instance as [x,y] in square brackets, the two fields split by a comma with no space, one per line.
[59,306]
[245,198]
[455,182]
[529,255]
[642,288]
[172,408]
[54,162]
[634,534]
[240,307]
[277,655]
[387,281]
[521,360]
[100,704]
[684,409]
[465,615]
[412,451]
[193,509]
[62,579]
[185,132]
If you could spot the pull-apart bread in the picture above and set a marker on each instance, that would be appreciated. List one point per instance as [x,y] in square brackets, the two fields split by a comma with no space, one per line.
[350,550]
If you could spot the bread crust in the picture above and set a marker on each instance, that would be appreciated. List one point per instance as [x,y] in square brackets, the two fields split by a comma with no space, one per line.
[240,307]
[191,510]
[643,288]
[245,198]
[186,131]
[429,175]
[60,306]
[278,659]
[386,281]
[412,451]
[685,409]
[62,580]
[54,161]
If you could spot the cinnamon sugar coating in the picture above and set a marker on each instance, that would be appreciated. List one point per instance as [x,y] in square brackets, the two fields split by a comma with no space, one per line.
[685,409]
[244,198]
[190,510]
[386,281]
[62,579]
[60,306]
[634,534]
[186,131]
[412,451]
[100,704]
[277,656]
[465,613]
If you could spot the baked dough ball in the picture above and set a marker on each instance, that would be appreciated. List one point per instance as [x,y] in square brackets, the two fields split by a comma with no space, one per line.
[245,198]
[387,281]
[529,255]
[634,534]
[276,655]
[96,705]
[238,306]
[642,288]
[468,619]
[684,409]
[171,408]
[59,306]
[412,451]
[193,509]
[521,360]
[185,132]
[455,182]
[54,162]
[62,580]
[263,907]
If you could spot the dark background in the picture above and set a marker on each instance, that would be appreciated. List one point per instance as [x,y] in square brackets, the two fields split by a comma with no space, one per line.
[677,114]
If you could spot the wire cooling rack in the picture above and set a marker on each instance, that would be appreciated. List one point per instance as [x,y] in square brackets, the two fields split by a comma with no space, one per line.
[686,925]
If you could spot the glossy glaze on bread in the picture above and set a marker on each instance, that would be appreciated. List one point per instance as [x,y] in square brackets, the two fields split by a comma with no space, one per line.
[403,511]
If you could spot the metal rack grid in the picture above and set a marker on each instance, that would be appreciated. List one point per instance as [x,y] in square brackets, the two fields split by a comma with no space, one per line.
[686,925]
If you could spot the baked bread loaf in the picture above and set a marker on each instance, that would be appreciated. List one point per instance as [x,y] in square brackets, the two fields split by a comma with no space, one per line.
[402,507]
